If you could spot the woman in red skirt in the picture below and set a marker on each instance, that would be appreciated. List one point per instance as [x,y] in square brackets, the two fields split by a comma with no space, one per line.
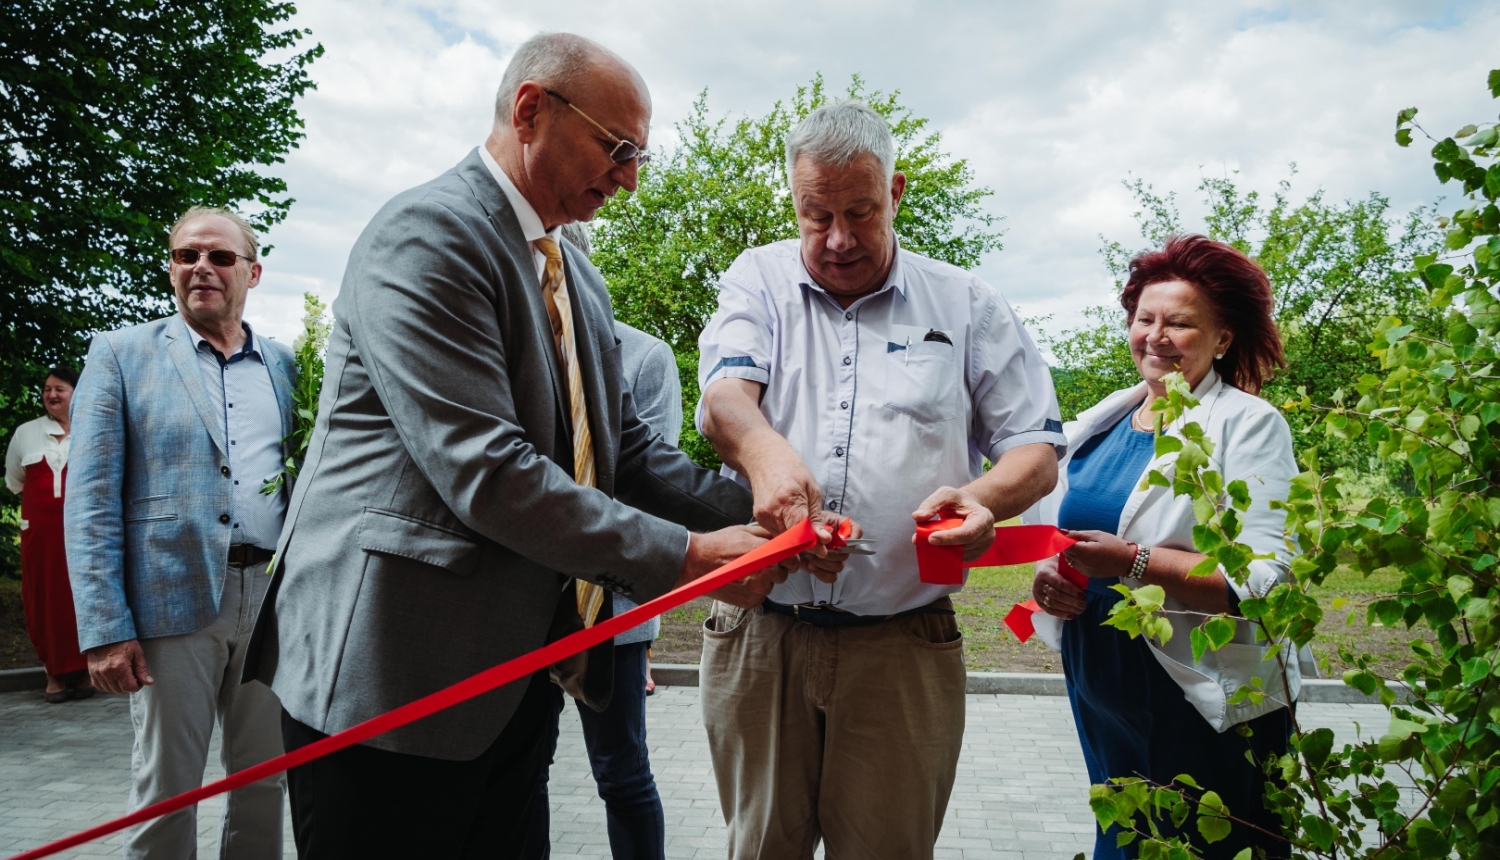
[36,468]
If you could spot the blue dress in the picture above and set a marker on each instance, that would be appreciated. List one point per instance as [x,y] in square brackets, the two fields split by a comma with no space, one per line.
[1132,718]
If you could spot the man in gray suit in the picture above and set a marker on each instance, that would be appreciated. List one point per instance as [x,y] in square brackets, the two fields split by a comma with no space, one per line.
[177,424]
[476,455]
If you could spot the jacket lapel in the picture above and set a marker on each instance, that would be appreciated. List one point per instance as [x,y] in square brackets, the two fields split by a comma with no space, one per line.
[281,382]
[180,347]
[503,218]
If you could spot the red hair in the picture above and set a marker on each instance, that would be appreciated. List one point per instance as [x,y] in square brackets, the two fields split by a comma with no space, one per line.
[1234,286]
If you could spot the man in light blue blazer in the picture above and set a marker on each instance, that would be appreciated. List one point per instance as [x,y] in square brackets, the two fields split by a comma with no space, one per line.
[177,425]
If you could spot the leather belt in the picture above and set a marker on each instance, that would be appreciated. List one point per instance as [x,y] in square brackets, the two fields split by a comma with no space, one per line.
[245,555]
[828,616]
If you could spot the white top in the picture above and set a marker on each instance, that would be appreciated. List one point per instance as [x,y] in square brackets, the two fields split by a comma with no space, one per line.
[37,440]
[1252,443]
[241,385]
[531,223]
[908,389]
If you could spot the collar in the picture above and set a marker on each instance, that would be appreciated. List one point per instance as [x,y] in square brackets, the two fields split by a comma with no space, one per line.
[198,340]
[894,279]
[51,427]
[531,223]
[1116,405]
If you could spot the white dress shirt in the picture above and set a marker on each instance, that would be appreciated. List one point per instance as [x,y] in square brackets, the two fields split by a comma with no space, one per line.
[907,390]
[241,385]
[37,440]
[531,223]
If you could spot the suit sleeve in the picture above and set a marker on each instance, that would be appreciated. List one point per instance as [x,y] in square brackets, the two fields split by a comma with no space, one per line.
[425,319]
[1259,452]
[93,510]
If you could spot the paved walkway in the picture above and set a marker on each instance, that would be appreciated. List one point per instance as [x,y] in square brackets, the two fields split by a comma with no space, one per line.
[1021,792]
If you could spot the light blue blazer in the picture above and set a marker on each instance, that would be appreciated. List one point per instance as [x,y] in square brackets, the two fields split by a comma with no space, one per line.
[149,484]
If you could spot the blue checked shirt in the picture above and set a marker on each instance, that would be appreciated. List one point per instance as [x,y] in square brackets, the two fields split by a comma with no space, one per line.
[907,390]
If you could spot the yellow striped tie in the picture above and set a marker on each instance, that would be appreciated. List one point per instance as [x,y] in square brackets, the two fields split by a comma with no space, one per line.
[560,312]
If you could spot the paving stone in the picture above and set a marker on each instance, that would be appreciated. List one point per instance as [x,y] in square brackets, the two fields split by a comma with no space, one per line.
[1021,792]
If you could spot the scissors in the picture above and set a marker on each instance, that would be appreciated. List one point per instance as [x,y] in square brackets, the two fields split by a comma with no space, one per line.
[853,546]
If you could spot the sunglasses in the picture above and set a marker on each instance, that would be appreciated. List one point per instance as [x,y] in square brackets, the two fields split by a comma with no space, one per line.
[625,151]
[217,257]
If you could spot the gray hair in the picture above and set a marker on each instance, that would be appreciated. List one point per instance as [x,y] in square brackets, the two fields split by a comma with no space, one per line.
[196,212]
[835,134]
[558,61]
[577,232]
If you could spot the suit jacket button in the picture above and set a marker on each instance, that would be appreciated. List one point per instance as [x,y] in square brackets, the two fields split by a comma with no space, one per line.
[224,470]
[224,518]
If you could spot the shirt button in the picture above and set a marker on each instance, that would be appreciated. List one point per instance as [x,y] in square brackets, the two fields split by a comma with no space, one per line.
[838,452]
[833,505]
[224,470]
[848,315]
[847,360]
[844,405]
[224,518]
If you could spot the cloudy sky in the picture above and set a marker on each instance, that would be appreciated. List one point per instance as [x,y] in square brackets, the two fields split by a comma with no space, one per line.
[1052,103]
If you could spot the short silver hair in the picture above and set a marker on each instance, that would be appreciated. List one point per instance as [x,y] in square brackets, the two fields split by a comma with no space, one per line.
[252,242]
[835,134]
[577,232]
[557,61]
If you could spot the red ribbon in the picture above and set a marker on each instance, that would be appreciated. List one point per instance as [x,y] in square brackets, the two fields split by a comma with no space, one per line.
[784,546]
[944,565]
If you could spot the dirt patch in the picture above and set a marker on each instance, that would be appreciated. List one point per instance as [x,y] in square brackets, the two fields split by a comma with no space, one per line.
[15,649]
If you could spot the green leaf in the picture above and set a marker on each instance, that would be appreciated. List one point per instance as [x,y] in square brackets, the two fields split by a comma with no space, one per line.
[1494,82]
[1239,494]
[1316,746]
[1400,729]
[1187,780]
[1199,642]
[1319,831]
[1220,631]
[1167,445]
[1394,335]
[1206,567]
[1362,681]
[1405,115]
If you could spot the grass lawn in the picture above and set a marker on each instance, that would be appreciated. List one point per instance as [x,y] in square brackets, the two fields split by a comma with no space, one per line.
[989,645]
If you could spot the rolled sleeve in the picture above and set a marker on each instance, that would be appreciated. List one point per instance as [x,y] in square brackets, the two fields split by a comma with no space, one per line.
[1259,452]
[737,341]
[1014,401]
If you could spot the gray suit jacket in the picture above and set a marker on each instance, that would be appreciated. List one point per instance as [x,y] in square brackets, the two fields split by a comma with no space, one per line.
[436,517]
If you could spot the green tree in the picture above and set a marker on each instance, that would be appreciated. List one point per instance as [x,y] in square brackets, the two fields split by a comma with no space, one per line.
[1429,787]
[724,190]
[1336,269]
[117,115]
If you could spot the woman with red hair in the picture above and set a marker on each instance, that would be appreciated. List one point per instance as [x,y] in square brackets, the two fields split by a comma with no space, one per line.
[1145,708]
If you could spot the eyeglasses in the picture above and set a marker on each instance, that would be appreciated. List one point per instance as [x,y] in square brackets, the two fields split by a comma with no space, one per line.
[625,151]
[218,257]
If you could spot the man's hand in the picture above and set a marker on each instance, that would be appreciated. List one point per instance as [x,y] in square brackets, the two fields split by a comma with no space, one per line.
[978,530]
[120,667]
[785,491]
[821,561]
[708,552]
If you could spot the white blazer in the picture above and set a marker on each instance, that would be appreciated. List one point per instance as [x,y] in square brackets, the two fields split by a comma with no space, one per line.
[1251,443]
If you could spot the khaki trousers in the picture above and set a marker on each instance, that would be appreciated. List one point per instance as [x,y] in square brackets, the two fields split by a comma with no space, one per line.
[849,734]
[197,684]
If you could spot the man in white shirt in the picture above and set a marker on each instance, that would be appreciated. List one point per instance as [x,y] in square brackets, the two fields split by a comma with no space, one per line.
[845,373]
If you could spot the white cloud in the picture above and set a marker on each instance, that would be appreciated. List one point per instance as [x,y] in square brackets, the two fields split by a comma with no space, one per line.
[1052,104]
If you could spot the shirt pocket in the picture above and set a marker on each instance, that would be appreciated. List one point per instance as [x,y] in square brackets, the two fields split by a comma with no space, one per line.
[921,376]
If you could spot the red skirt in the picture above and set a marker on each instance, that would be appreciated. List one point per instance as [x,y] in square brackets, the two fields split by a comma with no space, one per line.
[45,592]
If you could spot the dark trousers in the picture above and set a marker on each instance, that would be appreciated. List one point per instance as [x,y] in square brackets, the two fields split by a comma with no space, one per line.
[616,742]
[362,802]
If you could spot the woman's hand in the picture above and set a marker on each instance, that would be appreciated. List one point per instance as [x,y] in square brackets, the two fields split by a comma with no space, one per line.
[1099,554]
[1053,593]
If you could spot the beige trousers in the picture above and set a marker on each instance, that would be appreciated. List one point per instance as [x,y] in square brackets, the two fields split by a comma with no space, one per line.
[849,734]
[197,685]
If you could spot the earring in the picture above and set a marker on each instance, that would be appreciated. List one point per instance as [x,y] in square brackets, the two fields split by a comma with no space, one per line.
[1219,356]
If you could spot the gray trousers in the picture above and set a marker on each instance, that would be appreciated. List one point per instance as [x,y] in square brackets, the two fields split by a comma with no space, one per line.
[197,684]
